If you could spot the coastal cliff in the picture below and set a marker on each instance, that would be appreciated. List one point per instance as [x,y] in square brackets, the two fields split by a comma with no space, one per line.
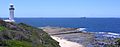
[23,35]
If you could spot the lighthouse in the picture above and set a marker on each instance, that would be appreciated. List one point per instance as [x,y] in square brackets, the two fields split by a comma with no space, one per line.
[11,14]
[11,9]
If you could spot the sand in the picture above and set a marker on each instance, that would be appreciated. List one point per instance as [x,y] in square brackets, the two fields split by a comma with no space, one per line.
[65,43]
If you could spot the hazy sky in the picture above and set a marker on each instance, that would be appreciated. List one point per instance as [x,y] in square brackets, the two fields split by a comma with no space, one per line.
[62,8]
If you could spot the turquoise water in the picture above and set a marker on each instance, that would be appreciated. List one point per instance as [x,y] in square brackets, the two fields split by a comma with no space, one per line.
[91,24]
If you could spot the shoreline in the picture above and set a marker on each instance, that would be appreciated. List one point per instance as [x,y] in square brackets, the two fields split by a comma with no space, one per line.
[66,43]
[60,30]
[81,38]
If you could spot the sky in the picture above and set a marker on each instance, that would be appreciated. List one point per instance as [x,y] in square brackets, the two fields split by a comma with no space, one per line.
[61,8]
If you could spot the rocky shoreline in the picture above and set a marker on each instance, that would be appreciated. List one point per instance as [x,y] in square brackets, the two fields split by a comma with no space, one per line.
[87,39]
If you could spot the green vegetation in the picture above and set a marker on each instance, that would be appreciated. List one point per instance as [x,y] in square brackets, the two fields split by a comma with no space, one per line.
[111,46]
[2,28]
[23,35]
[16,43]
[47,41]
[117,44]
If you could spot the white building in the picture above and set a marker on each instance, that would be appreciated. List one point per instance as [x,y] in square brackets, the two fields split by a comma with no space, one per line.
[11,18]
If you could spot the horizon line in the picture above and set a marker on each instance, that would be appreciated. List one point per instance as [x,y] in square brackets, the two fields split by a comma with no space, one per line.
[62,17]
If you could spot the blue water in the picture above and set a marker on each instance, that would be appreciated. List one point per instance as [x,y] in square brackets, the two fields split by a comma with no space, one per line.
[92,24]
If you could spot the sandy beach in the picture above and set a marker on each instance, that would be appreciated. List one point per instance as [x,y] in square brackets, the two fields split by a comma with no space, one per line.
[65,43]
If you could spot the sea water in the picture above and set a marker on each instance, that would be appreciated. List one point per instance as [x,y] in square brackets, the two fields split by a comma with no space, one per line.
[91,24]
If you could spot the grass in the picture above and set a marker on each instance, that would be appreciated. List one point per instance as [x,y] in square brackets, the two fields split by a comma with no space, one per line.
[17,43]
[28,36]
[47,41]
[2,28]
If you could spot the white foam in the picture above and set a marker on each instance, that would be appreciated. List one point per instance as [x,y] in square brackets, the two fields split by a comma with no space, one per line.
[81,29]
[109,34]
[113,34]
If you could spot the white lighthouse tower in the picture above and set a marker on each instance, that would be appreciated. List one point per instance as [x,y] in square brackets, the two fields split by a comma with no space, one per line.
[11,12]
[11,17]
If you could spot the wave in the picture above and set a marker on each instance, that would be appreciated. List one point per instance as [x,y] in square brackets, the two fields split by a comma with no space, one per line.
[102,34]
[108,34]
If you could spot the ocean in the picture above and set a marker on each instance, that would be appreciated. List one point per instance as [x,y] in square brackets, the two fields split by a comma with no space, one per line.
[102,28]
[91,24]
